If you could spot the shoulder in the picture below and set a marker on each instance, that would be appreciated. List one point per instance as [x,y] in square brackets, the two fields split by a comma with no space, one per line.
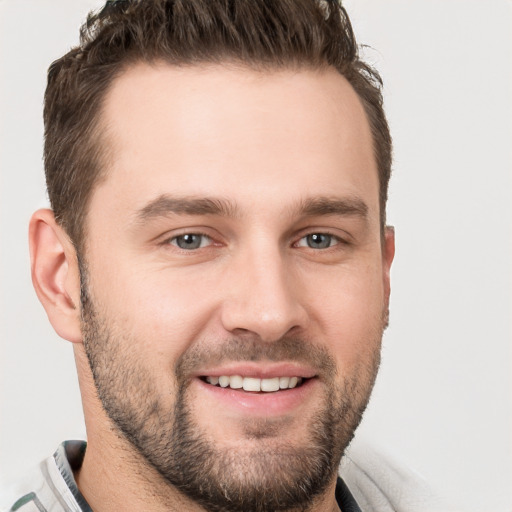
[24,494]
[381,484]
[48,487]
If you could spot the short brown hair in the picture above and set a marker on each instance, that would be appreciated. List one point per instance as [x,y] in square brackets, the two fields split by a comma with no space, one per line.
[266,34]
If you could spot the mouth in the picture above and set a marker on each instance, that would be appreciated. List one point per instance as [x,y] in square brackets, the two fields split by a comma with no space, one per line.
[258,389]
[255,384]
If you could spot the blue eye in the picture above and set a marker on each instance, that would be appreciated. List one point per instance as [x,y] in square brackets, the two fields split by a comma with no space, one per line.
[191,241]
[318,241]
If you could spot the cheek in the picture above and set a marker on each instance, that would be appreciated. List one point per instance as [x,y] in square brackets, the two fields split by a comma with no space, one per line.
[350,315]
[164,311]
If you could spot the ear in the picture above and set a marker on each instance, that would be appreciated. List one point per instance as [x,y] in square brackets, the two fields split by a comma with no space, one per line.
[55,274]
[388,254]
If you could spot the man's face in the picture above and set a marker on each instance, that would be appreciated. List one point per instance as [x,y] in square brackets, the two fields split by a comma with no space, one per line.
[235,279]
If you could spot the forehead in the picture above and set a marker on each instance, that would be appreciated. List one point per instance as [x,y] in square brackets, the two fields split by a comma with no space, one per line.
[225,130]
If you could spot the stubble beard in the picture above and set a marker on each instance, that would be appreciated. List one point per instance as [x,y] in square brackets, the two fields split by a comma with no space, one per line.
[272,474]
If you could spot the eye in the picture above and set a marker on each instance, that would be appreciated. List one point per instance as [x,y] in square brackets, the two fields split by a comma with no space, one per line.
[191,241]
[318,241]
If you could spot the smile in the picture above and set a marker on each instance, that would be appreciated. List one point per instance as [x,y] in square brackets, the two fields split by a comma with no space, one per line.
[254,384]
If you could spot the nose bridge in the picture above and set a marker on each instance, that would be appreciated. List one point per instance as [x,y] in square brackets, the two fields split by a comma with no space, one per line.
[263,296]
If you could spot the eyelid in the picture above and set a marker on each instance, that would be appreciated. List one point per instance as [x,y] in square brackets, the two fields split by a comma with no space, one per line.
[341,236]
[166,238]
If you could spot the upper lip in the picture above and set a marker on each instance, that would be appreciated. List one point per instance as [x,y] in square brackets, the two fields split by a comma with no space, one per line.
[259,370]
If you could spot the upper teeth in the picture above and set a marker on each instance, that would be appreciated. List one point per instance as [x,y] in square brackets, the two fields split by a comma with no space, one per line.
[254,384]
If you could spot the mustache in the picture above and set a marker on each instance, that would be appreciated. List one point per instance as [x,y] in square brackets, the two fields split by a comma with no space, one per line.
[251,348]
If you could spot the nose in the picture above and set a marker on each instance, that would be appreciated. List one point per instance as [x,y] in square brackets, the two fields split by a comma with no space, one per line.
[263,297]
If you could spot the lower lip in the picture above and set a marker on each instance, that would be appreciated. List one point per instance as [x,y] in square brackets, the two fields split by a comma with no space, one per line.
[275,403]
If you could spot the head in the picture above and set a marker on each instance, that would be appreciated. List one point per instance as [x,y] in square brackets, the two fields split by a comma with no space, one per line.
[218,173]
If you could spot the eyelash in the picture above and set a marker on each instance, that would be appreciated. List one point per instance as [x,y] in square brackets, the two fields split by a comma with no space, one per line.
[204,238]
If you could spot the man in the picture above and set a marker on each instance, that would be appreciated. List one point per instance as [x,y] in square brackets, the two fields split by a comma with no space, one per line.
[216,252]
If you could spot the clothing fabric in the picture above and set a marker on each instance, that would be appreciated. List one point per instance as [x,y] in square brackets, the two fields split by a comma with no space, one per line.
[380,483]
[52,488]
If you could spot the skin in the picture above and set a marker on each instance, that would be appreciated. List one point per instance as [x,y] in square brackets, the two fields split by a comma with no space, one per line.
[266,143]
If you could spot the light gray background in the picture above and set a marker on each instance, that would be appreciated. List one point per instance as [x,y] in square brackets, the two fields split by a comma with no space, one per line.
[443,401]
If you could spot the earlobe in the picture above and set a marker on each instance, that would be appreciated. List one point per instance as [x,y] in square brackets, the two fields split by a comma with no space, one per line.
[55,274]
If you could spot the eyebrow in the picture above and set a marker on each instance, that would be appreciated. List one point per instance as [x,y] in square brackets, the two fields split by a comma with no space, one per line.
[167,205]
[350,206]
